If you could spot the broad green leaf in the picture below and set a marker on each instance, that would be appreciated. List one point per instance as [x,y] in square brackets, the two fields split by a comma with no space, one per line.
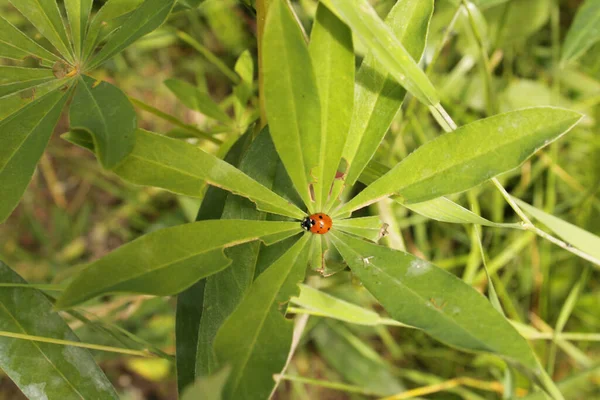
[146,18]
[378,95]
[78,12]
[584,32]
[80,138]
[191,301]
[468,156]
[291,98]
[110,17]
[324,304]
[355,360]
[333,58]
[574,235]
[25,135]
[44,370]
[15,101]
[370,228]
[45,16]
[105,112]
[208,387]
[519,20]
[19,74]
[445,210]
[384,45]
[167,261]
[16,45]
[419,294]
[224,290]
[256,338]
[196,99]
[183,168]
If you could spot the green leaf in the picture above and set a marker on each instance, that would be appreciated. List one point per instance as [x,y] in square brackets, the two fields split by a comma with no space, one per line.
[19,74]
[519,20]
[44,370]
[244,67]
[183,168]
[378,95]
[445,210]
[78,12]
[146,18]
[45,16]
[356,361]
[167,261]
[574,235]
[468,156]
[15,101]
[224,290]
[291,98]
[333,56]
[16,45]
[190,302]
[208,387]
[110,18]
[256,338]
[105,112]
[325,305]
[16,87]
[584,31]
[25,135]
[370,228]
[419,294]
[196,99]
[384,45]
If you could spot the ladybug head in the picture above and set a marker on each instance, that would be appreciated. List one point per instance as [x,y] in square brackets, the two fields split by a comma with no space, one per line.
[307,223]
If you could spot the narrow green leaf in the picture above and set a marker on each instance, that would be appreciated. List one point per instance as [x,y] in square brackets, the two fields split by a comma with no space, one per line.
[445,210]
[384,45]
[256,338]
[15,101]
[78,12]
[105,112]
[146,18]
[291,98]
[190,303]
[16,45]
[356,361]
[25,135]
[110,18]
[468,156]
[584,32]
[574,235]
[332,55]
[370,228]
[418,293]
[16,87]
[44,370]
[167,261]
[194,98]
[328,306]
[378,95]
[18,74]
[183,168]
[224,290]
[244,67]
[208,387]
[45,16]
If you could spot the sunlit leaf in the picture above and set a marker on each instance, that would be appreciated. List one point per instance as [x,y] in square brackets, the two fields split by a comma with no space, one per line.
[584,32]
[15,101]
[105,112]
[419,294]
[256,338]
[167,261]
[468,156]
[370,228]
[78,12]
[378,95]
[208,387]
[44,370]
[183,168]
[25,135]
[291,97]
[16,45]
[333,57]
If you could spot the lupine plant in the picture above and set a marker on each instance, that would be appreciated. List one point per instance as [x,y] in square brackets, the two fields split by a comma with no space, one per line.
[308,151]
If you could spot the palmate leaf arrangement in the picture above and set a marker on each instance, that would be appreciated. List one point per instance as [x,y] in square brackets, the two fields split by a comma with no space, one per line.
[239,265]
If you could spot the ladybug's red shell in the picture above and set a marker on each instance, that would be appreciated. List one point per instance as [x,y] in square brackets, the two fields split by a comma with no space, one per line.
[317,223]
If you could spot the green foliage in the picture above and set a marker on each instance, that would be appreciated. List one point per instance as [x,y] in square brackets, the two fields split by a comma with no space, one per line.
[584,32]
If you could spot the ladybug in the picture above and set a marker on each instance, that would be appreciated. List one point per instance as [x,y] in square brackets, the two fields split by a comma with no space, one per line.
[317,223]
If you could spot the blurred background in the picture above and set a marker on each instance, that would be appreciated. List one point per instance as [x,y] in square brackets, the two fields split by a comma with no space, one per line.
[74,211]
